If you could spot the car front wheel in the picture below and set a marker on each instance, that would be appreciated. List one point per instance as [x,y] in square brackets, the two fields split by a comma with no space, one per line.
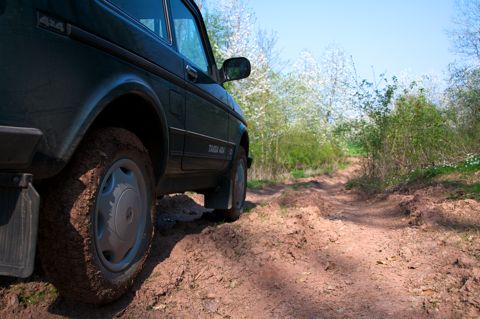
[97,220]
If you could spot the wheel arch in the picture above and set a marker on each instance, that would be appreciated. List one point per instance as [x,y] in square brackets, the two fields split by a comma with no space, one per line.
[245,143]
[134,106]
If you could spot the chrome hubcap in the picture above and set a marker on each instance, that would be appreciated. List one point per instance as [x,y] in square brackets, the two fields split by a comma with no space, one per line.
[120,215]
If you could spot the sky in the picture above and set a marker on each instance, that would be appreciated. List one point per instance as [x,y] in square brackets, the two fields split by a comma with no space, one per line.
[393,36]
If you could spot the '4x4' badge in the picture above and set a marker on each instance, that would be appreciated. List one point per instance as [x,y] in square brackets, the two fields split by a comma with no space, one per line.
[51,24]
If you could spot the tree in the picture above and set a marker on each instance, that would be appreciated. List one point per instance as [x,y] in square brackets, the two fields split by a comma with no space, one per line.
[200,3]
[233,32]
[337,83]
[463,94]
[464,103]
[466,35]
[288,114]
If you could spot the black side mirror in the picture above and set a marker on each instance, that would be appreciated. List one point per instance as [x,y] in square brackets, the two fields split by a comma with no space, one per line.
[235,69]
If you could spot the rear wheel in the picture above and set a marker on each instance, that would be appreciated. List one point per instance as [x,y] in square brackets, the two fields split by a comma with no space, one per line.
[238,187]
[97,221]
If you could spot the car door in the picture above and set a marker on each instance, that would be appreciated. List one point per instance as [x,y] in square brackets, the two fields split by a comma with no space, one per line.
[206,124]
[141,32]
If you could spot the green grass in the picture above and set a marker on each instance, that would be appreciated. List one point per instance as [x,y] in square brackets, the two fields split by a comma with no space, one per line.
[36,297]
[471,165]
[355,149]
[466,236]
[299,186]
[298,173]
[462,169]
[459,178]
[474,189]
[369,185]
[342,165]
[464,191]
[258,183]
[326,169]
[248,208]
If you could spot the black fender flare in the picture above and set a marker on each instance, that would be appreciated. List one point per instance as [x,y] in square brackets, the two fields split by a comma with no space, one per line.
[111,91]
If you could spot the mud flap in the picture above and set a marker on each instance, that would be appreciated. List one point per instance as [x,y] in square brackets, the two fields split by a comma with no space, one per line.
[221,197]
[19,209]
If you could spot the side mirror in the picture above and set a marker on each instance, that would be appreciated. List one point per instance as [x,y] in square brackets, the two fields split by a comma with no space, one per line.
[235,69]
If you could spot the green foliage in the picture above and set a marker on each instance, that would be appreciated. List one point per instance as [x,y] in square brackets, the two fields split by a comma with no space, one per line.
[402,131]
[299,186]
[459,190]
[36,296]
[459,177]
[355,149]
[464,105]
[258,183]
[466,167]
[301,149]
[295,151]
[407,138]
[297,121]
[367,184]
[298,173]
[416,135]
[472,191]
[348,134]
[288,114]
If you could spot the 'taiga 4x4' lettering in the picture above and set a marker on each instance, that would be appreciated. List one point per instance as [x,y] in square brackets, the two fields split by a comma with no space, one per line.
[215,149]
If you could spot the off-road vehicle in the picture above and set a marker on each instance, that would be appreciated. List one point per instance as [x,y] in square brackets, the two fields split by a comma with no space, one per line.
[106,105]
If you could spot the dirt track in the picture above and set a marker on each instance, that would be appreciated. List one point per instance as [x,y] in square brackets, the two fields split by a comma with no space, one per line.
[310,249]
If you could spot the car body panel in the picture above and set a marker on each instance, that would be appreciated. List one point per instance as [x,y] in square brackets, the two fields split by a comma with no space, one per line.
[59,82]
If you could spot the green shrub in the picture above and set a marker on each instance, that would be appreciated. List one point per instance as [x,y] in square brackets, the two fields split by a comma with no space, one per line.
[258,183]
[416,136]
[411,135]
[302,149]
[297,151]
[368,184]
[298,173]
[470,165]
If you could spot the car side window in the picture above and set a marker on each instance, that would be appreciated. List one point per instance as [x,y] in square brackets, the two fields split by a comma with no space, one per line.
[150,13]
[187,34]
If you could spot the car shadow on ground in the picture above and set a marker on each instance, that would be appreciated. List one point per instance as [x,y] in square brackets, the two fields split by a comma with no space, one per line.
[249,206]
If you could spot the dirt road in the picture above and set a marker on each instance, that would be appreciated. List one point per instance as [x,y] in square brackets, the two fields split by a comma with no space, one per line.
[309,249]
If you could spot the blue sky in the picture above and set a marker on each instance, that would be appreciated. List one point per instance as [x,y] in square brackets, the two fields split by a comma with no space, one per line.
[395,36]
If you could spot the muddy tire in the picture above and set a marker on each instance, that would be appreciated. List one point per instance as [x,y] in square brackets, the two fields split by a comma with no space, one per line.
[238,188]
[97,219]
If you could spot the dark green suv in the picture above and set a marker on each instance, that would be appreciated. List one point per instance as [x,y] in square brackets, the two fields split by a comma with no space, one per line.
[104,106]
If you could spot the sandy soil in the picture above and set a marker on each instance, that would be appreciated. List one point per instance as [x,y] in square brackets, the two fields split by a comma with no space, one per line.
[309,249]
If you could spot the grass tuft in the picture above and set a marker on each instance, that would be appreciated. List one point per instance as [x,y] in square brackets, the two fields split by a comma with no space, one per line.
[258,183]
[460,178]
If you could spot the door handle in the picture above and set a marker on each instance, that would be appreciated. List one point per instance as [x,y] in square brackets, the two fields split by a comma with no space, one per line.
[191,73]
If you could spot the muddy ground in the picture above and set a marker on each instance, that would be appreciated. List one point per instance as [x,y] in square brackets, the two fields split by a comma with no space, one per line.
[305,249]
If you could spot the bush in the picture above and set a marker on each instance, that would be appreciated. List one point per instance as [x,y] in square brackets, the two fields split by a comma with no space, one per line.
[463,97]
[416,136]
[298,173]
[297,151]
[403,133]
[302,150]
